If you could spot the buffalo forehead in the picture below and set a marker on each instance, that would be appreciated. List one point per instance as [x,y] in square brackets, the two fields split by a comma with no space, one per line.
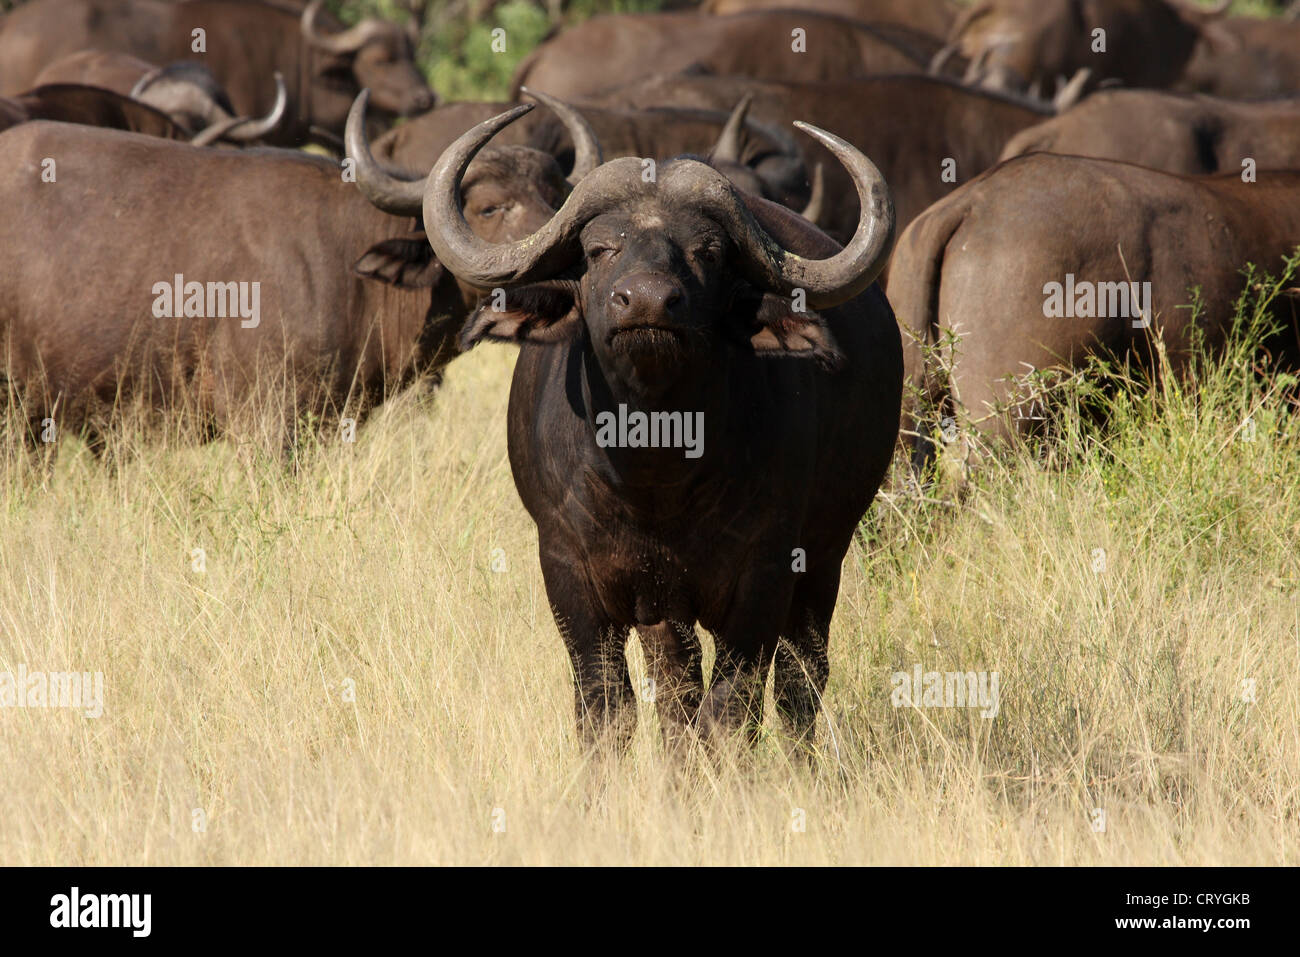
[649,219]
[649,216]
[513,166]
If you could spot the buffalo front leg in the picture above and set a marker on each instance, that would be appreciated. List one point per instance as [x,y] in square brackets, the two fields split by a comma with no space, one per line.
[800,672]
[674,666]
[802,664]
[734,701]
[603,698]
[745,643]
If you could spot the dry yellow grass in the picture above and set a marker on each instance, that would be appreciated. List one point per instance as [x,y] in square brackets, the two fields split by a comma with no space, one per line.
[227,691]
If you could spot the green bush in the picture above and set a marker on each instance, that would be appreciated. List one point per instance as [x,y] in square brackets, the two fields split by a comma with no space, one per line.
[457,52]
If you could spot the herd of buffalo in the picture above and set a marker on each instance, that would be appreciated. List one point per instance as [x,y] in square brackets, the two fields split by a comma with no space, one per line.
[685,238]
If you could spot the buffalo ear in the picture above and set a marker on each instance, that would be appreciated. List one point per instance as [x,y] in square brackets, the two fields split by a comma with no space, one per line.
[783,331]
[543,312]
[407,262]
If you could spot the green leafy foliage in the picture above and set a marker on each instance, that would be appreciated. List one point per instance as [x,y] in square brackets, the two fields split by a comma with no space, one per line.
[469,51]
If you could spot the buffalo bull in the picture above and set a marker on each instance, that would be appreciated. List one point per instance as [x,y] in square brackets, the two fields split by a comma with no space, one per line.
[608,51]
[277,290]
[1034,44]
[1047,259]
[244,44]
[1171,132]
[768,368]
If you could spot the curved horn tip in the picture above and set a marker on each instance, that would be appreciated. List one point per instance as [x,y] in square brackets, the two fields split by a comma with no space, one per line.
[540,97]
[740,112]
[307,23]
[728,147]
[281,94]
[819,134]
[587,153]
[355,127]
[281,97]
[360,103]
[349,41]
[381,188]
[484,132]
[862,259]
[145,82]
[246,129]
[502,120]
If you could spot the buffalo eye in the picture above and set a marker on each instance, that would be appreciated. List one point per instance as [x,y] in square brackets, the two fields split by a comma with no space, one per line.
[601,253]
[487,212]
[709,254]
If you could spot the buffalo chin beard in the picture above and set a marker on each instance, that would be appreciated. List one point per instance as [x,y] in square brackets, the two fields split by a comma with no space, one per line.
[650,359]
[648,342]
[658,350]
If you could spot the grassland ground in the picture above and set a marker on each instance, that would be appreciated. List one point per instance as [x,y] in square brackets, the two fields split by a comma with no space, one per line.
[355,663]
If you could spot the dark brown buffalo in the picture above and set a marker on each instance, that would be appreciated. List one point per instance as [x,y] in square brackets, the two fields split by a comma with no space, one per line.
[1177,133]
[684,296]
[977,266]
[247,42]
[1259,58]
[351,304]
[610,51]
[759,159]
[908,125]
[933,16]
[1036,44]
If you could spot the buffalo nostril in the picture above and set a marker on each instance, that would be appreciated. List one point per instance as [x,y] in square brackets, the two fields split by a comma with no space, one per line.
[648,298]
